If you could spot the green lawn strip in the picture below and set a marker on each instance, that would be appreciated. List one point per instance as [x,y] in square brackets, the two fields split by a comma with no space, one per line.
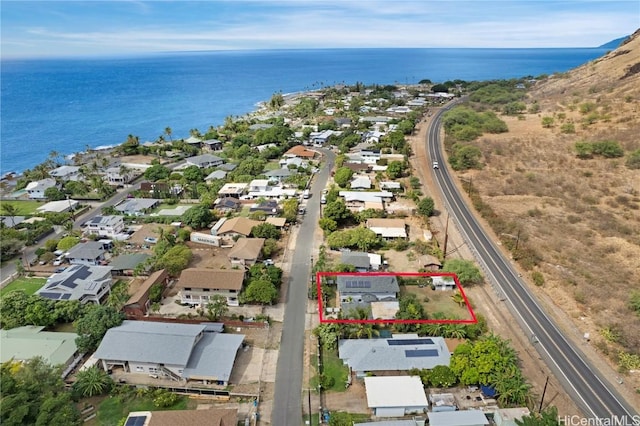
[315,419]
[29,285]
[113,409]
[332,366]
[245,211]
[24,207]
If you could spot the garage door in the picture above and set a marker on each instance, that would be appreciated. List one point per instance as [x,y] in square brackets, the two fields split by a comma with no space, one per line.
[390,411]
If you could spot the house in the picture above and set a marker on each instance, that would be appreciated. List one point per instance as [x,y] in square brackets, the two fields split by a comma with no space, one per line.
[508,416]
[278,222]
[37,188]
[300,151]
[227,167]
[212,145]
[358,167]
[118,175]
[246,251]
[197,285]
[227,205]
[204,161]
[279,175]
[104,226]
[194,141]
[89,253]
[236,227]
[358,259]
[66,173]
[271,192]
[357,200]
[78,282]
[260,126]
[126,264]
[268,207]
[390,186]
[206,417]
[369,156]
[360,290]
[258,185]
[361,182]
[442,283]
[139,303]
[190,352]
[322,137]
[343,122]
[60,206]
[442,402]
[458,418]
[265,146]
[216,174]
[30,341]
[293,161]
[388,228]
[400,353]
[235,190]
[137,206]
[395,396]
[160,189]
[11,221]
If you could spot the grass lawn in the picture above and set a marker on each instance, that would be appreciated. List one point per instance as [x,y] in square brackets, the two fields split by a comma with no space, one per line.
[332,366]
[24,207]
[113,409]
[272,165]
[29,285]
[245,211]
[439,301]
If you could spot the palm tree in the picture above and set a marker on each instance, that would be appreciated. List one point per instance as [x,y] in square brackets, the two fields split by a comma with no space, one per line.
[93,381]
[168,131]
[10,210]
[457,298]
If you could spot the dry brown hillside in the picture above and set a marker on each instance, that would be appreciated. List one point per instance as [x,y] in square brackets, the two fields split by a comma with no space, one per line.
[581,215]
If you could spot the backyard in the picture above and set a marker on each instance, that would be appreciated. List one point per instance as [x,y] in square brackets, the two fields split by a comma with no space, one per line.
[23,207]
[27,284]
[435,301]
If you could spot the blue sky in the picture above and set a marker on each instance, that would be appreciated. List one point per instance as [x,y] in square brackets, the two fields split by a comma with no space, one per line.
[122,27]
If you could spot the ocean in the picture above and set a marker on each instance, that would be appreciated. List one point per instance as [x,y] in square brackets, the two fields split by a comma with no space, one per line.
[67,105]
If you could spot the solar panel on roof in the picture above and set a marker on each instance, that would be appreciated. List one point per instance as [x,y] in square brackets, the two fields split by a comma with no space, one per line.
[66,296]
[136,421]
[420,353]
[406,342]
[49,295]
[69,284]
[357,284]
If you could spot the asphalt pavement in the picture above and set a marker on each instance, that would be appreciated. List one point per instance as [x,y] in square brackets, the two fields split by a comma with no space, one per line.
[287,404]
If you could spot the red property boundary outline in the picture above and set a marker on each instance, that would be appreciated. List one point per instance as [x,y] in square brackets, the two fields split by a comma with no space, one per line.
[319,276]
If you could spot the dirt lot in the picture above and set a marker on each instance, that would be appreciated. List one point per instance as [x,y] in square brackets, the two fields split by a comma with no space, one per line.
[438,301]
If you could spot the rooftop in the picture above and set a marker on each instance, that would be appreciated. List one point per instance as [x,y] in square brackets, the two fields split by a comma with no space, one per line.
[224,279]
[458,418]
[22,343]
[247,248]
[395,391]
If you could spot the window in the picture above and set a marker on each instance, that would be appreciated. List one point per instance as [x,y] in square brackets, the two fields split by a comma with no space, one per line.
[187,289]
[153,370]
[206,289]
[139,369]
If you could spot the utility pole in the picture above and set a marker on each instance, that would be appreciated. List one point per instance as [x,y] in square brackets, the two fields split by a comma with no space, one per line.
[446,237]
[543,392]
[517,240]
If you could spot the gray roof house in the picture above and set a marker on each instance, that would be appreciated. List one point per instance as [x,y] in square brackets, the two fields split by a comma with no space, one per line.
[137,206]
[278,175]
[402,352]
[37,188]
[190,352]
[216,174]
[89,253]
[78,282]
[360,290]
[65,173]
[358,259]
[205,160]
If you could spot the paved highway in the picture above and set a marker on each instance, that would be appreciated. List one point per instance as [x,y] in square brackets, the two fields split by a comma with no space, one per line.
[591,392]
[287,404]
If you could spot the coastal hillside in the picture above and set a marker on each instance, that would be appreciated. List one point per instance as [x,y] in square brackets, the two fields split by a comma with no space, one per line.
[566,177]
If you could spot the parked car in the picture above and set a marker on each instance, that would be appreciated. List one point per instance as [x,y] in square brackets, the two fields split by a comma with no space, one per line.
[268,262]
[60,269]
[150,240]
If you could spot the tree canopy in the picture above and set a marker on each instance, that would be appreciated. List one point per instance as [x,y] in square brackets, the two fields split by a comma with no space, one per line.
[198,217]
[92,326]
[467,272]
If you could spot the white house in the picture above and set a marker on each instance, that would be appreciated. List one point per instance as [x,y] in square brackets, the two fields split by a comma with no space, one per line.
[396,396]
[37,188]
[388,228]
[78,282]
[361,182]
[66,173]
[105,226]
[119,175]
[203,161]
[258,185]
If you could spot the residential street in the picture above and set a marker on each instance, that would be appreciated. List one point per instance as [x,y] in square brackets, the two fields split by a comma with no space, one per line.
[287,405]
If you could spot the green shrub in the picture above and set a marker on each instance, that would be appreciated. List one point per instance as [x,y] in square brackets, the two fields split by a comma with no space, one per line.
[538,278]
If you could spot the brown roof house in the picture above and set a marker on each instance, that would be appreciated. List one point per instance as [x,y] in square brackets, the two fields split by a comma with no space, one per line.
[246,252]
[209,417]
[236,227]
[388,228]
[197,285]
[138,304]
[300,152]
